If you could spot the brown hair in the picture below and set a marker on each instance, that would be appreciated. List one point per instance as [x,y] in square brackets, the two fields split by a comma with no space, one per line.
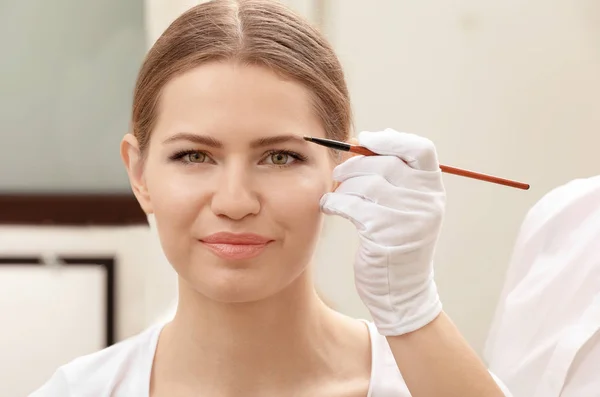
[259,32]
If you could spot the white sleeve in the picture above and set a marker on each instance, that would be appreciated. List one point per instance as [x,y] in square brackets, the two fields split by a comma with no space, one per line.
[542,320]
[56,386]
[501,385]
[538,228]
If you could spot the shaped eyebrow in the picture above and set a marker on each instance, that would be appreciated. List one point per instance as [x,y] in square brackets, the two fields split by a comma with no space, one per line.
[195,138]
[212,142]
[273,140]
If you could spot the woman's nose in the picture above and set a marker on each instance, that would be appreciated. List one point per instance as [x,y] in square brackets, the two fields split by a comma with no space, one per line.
[234,197]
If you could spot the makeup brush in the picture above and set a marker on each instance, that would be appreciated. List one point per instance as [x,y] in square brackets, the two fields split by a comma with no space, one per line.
[346,147]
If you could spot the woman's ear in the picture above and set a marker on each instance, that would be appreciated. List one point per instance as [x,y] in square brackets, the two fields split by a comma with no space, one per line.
[134,163]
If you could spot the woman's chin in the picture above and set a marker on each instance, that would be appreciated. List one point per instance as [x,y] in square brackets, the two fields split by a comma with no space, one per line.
[241,281]
[238,286]
[235,294]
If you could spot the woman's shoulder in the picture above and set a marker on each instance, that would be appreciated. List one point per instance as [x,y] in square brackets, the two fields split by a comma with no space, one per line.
[122,369]
[386,380]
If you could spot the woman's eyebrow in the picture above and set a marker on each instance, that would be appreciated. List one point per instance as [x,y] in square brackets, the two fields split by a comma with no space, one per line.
[273,140]
[212,142]
[195,138]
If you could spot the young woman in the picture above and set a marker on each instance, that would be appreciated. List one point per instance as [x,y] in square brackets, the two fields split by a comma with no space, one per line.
[216,154]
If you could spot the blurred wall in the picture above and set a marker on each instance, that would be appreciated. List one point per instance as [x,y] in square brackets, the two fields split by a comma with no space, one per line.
[160,13]
[66,78]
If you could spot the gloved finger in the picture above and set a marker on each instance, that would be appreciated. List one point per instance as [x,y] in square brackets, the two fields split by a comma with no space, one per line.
[347,206]
[392,169]
[386,227]
[418,152]
[376,189]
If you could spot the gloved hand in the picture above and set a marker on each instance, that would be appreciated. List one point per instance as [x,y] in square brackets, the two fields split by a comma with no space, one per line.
[396,201]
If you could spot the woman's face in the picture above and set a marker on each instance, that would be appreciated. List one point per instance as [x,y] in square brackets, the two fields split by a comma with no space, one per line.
[233,186]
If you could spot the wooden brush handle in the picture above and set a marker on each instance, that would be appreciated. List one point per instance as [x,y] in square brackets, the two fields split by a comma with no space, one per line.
[455,171]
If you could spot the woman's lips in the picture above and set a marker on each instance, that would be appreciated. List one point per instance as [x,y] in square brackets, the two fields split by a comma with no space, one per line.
[236,246]
[236,251]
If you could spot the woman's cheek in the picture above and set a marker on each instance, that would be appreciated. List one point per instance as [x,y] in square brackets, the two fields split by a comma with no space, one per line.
[299,193]
[179,194]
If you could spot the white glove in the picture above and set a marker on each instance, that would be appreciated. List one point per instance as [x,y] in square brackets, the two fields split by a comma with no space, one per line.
[396,201]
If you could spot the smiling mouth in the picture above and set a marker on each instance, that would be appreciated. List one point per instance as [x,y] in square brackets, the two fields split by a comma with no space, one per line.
[236,251]
[232,246]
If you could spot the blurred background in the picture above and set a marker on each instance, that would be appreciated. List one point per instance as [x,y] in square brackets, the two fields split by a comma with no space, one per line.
[509,88]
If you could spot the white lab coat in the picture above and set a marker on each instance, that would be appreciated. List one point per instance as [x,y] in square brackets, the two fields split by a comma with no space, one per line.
[545,337]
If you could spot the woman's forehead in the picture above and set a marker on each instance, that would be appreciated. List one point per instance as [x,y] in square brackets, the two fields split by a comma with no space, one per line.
[251,101]
[219,85]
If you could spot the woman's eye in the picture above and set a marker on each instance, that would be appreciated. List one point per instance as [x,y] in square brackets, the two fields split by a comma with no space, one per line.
[283,158]
[190,156]
[279,158]
[195,157]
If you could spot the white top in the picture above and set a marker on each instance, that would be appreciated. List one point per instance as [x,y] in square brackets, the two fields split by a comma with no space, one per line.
[123,370]
[545,338]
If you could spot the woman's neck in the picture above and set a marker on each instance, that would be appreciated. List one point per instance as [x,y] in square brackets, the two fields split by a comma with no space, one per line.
[287,339]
